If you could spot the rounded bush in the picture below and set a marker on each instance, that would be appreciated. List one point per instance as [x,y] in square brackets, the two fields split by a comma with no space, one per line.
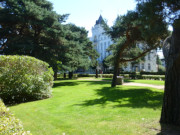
[24,78]
[10,125]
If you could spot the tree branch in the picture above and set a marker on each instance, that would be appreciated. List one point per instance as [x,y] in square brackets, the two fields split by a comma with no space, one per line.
[139,56]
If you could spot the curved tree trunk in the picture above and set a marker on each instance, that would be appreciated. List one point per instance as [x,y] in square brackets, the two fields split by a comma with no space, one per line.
[171,103]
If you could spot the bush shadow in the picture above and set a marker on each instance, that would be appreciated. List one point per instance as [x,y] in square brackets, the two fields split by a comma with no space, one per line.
[96,82]
[127,97]
[60,84]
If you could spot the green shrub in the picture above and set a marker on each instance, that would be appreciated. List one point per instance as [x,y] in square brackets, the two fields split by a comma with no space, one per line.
[161,69]
[9,125]
[154,77]
[106,75]
[152,73]
[86,75]
[24,78]
[126,76]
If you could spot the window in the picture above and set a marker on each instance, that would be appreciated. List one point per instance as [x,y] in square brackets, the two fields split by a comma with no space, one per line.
[142,66]
[149,66]
[95,39]
[149,56]
[97,47]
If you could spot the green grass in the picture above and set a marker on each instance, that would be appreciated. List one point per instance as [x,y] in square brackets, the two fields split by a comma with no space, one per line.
[93,108]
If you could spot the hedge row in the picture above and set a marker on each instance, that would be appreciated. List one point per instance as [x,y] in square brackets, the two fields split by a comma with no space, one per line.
[126,76]
[132,75]
[144,73]
[154,77]
[9,125]
[24,78]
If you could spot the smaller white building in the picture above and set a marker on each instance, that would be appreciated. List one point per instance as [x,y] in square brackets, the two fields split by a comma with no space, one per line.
[103,41]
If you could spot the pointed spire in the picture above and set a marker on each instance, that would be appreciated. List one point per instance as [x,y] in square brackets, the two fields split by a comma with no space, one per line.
[100,20]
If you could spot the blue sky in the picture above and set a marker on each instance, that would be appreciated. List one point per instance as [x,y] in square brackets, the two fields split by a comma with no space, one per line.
[84,13]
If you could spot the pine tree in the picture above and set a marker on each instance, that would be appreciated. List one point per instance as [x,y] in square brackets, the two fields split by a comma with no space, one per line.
[78,50]
[158,11]
[31,27]
[127,32]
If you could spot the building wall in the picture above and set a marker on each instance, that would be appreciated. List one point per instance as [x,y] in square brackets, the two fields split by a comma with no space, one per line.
[101,41]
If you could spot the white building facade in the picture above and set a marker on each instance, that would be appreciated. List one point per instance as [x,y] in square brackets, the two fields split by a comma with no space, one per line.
[103,41]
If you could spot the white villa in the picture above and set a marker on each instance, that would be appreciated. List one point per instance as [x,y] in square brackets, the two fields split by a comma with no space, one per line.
[103,41]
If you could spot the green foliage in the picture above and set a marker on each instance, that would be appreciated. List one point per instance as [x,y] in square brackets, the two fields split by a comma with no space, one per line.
[9,124]
[129,75]
[158,61]
[78,50]
[133,31]
[31,27]
[161,69]
[162,10]
[24,78]
[154,77]
[152,73]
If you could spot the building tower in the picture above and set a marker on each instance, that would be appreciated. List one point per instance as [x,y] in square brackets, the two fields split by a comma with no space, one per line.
[100,40]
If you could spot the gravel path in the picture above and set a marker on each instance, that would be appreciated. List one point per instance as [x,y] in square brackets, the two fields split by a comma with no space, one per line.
[129,83]
[145,85]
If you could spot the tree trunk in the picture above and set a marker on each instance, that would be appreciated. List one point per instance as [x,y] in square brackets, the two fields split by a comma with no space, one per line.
[64,75]
[171,103]
[116,71]
[70,75]
[96,73]
[55,75]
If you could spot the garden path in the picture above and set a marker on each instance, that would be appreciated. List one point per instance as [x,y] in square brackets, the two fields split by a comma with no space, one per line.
[129,83]
[145,85]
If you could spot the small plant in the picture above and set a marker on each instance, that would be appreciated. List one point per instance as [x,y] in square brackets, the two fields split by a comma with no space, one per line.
[24,78]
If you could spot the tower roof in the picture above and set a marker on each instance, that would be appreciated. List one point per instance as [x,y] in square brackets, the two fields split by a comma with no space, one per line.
[100,20]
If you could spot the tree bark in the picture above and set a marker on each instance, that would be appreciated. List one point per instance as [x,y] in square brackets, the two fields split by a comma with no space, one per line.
[55,75]
[116,70]
[171,103]
[96,73]
[70,75]
[64,75]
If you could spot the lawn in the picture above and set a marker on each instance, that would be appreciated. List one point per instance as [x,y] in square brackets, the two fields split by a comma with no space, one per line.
[84,107]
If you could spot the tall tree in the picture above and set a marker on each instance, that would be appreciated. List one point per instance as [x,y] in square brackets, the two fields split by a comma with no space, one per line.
[31,27]
[167,11]
[128,32]
[78,50]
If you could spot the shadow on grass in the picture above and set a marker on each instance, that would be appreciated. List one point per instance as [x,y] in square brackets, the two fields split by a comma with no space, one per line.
[127,97]
[98,82]
[60,84]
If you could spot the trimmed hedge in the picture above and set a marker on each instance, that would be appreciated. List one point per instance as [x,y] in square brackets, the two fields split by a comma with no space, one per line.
[9,125]
[153,77]
[132,75]
[24,78]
